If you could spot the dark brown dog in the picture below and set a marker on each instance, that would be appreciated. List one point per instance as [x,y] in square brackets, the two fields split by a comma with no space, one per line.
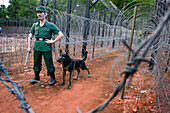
[70,65]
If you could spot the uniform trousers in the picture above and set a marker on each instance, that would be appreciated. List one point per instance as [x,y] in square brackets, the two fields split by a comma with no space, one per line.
[47,58]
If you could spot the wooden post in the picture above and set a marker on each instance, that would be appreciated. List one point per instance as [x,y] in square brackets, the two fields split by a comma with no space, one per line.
[130,45]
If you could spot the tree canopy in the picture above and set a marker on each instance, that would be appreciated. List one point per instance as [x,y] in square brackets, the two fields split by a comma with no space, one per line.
[26,8]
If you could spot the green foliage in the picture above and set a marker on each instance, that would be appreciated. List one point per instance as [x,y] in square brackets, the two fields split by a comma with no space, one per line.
[21,8]
[25,9]
[3,11]
[18,12]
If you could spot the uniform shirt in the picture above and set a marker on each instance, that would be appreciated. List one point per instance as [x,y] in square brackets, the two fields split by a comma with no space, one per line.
[44,32]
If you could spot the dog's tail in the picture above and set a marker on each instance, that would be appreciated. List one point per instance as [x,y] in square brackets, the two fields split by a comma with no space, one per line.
[85,56]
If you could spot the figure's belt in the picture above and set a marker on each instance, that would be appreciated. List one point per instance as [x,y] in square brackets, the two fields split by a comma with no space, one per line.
[38,39]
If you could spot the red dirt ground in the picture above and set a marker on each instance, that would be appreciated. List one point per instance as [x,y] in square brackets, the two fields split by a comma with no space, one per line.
[87,93]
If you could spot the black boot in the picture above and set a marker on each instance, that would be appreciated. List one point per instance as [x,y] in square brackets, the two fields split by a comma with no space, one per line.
[53,80]
[36,77]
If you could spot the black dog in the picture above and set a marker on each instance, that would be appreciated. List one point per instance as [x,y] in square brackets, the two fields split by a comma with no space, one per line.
[70,65]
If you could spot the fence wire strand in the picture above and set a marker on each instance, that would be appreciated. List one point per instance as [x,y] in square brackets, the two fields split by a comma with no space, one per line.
[15,89]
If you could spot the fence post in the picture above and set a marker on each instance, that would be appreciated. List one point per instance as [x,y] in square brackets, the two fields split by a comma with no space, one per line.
[94,41]
[104,20]
[116,21]
[54,19]
[130,45]
[86,30]
[68,25]
[92,29]
[49,15]
[100,16]
[142,32]
[110,22]
[94,33]
[54,8]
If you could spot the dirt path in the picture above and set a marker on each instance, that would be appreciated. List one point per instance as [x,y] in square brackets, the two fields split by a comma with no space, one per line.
[87,93]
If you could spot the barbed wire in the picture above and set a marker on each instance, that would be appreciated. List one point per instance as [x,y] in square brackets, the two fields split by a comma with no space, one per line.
[16,89]
[132,65]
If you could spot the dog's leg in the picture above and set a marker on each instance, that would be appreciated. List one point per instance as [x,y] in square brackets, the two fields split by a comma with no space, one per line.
[87,68]
[88,72]
[84,67]
[70,80]
[76,77]
[64,77]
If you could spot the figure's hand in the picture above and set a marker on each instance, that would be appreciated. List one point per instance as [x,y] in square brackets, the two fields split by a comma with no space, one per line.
[49,41]
[29,49]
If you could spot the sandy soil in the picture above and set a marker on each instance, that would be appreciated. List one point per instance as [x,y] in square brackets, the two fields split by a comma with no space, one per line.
[86,93]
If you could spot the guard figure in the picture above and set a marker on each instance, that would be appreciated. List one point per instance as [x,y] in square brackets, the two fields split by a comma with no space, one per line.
[42,31]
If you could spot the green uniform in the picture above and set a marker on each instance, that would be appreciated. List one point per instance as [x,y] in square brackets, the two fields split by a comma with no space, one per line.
[41,47]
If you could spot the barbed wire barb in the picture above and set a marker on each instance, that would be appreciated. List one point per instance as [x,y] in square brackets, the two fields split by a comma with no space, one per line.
[15,89]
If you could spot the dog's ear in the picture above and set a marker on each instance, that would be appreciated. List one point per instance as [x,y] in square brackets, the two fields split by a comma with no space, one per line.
[60,50]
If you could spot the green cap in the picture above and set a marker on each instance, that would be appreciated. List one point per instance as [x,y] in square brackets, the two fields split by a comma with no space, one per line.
[40,8]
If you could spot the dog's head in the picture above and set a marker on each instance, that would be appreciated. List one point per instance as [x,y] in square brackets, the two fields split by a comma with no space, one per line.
[63,57]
